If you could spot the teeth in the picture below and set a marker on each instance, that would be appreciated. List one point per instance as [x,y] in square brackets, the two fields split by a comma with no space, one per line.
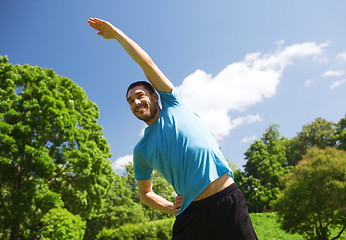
[140,109]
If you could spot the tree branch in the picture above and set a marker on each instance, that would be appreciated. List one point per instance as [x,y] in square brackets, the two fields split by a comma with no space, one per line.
[339,234]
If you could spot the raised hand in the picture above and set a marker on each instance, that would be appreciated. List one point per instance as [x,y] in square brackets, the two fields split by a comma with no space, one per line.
[106,29]
[151,71]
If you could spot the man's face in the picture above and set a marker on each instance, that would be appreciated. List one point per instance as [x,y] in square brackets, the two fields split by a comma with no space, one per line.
[143,104]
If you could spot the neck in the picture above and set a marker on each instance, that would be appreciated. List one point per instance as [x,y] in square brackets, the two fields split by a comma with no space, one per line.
[153,119]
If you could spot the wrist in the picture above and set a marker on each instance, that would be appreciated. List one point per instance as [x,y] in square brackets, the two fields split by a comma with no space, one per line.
[118,34]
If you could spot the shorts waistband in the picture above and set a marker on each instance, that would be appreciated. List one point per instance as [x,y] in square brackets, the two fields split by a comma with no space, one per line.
[215,196]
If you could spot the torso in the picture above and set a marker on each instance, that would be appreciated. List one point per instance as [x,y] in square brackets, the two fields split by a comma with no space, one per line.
[216,186]
[180,146]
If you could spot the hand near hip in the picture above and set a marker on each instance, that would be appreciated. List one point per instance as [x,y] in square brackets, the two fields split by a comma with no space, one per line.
[177,204]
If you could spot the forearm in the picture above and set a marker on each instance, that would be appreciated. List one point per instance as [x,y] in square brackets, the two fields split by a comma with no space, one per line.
[134,50]
[157,202]
[151,71]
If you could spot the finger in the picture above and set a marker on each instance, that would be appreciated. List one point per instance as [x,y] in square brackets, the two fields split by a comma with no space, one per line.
[177,208]
[93,25]
[95,22]
[176,212]
[91,21]
[177,204]
[98,20]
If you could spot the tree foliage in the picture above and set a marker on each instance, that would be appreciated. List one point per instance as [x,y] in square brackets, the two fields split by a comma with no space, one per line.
[60,224]
[317,134]
[52,151]
[265,164]
[154,230]
[118,208]
[314,198]
[340,135]
[122,206]
[320,133]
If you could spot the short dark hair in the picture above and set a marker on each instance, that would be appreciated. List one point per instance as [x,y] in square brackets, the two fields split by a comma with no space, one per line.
[145,84]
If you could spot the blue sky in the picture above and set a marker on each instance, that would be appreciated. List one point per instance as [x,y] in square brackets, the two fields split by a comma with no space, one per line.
[242,65]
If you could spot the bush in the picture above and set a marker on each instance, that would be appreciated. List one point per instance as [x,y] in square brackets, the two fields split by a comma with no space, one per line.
[60,224]
[160,229]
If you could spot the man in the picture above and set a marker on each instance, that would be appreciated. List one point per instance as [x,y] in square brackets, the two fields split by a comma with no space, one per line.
[177,144]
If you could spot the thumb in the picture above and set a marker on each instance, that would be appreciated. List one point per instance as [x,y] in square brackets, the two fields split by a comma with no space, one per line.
[100,34]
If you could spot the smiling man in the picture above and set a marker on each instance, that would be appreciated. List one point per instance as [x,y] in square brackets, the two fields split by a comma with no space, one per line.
[178,145]
[143,101]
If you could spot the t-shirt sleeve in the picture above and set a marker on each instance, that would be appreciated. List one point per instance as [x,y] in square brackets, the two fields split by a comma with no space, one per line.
[143,171]
[170,99]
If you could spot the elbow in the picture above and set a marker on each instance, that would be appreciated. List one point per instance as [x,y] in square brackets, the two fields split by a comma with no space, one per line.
[143,196]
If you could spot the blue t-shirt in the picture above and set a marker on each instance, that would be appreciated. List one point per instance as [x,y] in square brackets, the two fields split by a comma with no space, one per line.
[181,148]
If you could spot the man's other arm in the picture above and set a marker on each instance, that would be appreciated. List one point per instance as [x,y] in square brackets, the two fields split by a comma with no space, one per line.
[149,198]
[151,71]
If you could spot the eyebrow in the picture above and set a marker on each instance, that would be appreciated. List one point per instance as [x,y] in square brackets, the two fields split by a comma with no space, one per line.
[129,98]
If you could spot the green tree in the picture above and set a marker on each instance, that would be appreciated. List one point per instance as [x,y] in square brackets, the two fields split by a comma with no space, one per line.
[131,182]
[317,134]
[52,151]
[265,164]
[255,193]
[118,208]
[320,133]
[294,150]
[122,205]
[60,224]
[314,199]
[340,135]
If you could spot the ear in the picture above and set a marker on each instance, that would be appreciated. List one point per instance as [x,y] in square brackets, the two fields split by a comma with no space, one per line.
[155,97]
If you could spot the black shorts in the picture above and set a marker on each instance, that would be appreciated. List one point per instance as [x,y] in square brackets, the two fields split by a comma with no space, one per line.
[223,215]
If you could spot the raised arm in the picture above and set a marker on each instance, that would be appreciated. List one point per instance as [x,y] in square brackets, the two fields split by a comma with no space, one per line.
[151,71]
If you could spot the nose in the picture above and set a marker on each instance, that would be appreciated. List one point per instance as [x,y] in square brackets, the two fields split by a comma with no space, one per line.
[137,101]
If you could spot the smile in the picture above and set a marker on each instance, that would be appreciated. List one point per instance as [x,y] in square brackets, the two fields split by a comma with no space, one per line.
[140,109]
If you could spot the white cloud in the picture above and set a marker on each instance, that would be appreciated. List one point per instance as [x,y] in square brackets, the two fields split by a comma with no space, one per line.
[118,165]
[245,120]
[332,73]
[240,85]
[308,83]
[248,139]
[280,43]
[337,84]
[341,56]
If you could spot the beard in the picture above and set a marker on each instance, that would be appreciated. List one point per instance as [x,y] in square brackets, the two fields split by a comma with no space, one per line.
[152,113]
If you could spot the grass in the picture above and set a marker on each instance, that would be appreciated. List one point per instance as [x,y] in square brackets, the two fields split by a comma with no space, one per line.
[267,228]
